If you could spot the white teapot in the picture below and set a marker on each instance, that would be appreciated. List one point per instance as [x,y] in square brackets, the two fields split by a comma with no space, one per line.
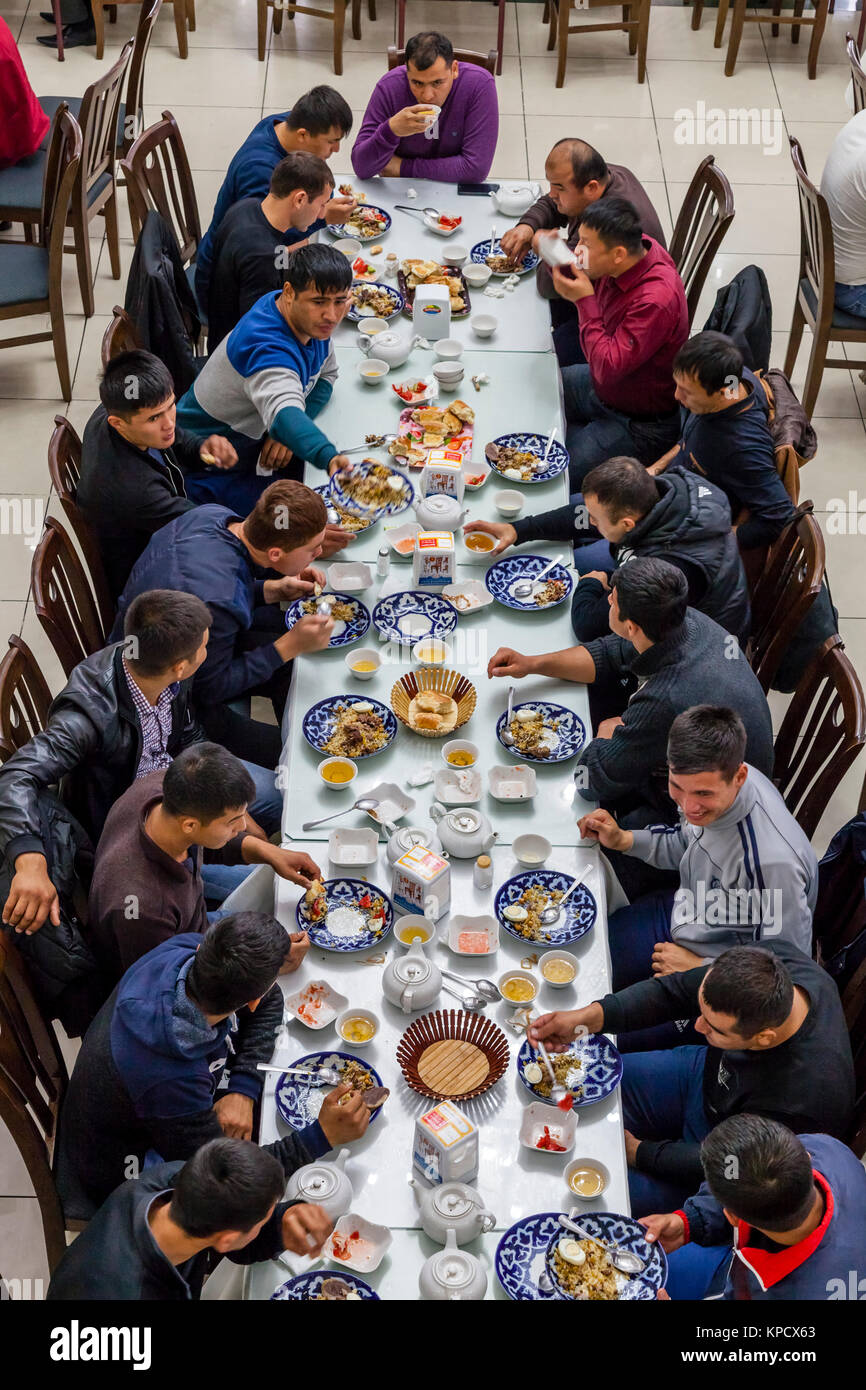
[439,512]
[452,1275]
[389,345]
[324,1183]
[412,981]
[463,831]
[452,1209]
[514,199]
[407,837]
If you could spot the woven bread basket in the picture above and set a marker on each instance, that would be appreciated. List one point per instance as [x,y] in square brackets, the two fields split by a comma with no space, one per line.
[452,1073]
[444,683]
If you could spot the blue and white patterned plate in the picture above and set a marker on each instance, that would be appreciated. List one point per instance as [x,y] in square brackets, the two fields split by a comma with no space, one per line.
[557,459]
[578,915]
[345,892]
[305,1287]
[319,720]
[566,740]
[339,229]
[520,1258]
[630,1235]
[299,1103]
[481,250]
[502,577]
[397,503]
[600,1073]
[397,300]
[410,615]
[345,630]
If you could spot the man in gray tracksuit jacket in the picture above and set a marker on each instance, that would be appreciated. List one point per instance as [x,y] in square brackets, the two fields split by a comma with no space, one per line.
[747,871]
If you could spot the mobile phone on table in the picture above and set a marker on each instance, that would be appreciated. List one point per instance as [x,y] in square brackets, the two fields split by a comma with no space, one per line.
[477,190]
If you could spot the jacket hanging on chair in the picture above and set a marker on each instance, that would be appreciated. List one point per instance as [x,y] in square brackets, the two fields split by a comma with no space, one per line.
[744,312]
[160,302]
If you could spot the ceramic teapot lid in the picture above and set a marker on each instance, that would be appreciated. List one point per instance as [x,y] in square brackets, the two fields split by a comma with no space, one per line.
[411,835]
[465,821]
[389,338]
[411,970]
[439,503]
[453,1270]
[318,1183]
[451,1204]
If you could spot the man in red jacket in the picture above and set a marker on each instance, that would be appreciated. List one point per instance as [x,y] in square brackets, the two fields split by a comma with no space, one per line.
[23,123]
[633,319]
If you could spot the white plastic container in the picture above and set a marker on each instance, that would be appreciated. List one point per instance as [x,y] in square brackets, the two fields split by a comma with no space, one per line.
[434,560]
[421,883]
[445,1147]
[443,473]
[431,312]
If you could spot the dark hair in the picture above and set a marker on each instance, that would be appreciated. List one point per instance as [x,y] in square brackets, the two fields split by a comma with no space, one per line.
[287,514]
[320,267]
[238,960]
[752,986]
[707,738]
[759,1171]
[227,1185]
[587,165]
[134,381]
[205,781]
[616,221]
[651,593]
[163,627]
[623,487]
[300,171]
[319,110]
[711,357]
[422,50]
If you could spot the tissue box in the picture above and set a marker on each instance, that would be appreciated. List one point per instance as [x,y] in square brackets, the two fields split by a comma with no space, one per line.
[434,560]
[421,883]
[431,312]
[445,1147]
[443,473]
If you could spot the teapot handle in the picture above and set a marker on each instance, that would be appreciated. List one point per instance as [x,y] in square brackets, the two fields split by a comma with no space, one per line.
[488,1221]
[437,811]
[406,999]
[365,342]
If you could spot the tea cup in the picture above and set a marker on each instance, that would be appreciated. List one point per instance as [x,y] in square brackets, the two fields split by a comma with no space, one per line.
[509,503]
[372,370]
[484,325]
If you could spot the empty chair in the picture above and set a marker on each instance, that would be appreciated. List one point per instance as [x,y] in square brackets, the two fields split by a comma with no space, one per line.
[500,31]
[858,75]
[184,15]
[739,17]
[64,599]
[24,698]
[785,592]
[64,466]
[701,226]
[337,16]
[158,178]
[121,335]
[634,22]
[488,60]
[822,733]
[814,304]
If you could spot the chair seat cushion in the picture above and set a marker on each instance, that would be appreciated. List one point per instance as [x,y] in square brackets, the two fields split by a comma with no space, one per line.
[23,273]
[50,104]
[21,183]
[102,182]
[840,319]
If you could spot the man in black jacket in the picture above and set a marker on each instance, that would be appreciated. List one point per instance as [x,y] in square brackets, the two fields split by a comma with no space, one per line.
[152,1239]
[776,1045]
[133,460]
[190,1014]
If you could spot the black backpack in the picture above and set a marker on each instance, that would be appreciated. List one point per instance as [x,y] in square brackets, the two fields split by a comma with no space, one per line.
[743,311]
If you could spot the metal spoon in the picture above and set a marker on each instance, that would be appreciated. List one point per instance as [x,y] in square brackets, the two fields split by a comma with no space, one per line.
[624,1260]
[322,1076]
[364,803]
[382,440]
[470,1000]
[524,587]
[506,734]
[552,913]
[404,207]
[486,988]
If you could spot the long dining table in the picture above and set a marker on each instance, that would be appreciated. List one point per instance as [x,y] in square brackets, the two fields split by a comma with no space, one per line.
[523,394]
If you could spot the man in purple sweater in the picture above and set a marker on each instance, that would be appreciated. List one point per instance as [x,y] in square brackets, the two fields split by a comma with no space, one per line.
[397,138]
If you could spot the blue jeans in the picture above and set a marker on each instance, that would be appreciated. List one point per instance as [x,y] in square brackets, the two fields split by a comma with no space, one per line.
[851,298]
[267,808]
[633,931]
[696,1271]
[221,879]
[663,1098]
[596,431]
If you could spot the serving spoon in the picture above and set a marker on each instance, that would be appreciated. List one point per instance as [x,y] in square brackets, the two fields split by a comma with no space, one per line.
[486,988]
[524,587]
[418,212]
[506,735]
[469,999]
[558,1092]
[626,1261]
[364,803]
[551,914]
[381,441]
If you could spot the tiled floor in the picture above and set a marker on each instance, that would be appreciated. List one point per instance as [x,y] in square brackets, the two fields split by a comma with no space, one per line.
[220,92]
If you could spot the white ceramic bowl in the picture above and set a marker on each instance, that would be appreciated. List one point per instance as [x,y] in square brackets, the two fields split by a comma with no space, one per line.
[434,112]
[517,783]
[561,1125]
[350,577]
[460,924]
[350,246]
[353,849]
[363,654]
[476,276]
[427,930]
[337,786]
[577,1163]
[437,645]
[476,557]
[478,594]
[368,1016]
[460,745]
[447,350]
[509,503]
[319,1003]
[531,850]
[371,326]
[475,470]
[456,255]
[484,325]
[447,785]
[398,534]
[518,975]
[378,1238]
[372,371]
[558,955]
[449,374]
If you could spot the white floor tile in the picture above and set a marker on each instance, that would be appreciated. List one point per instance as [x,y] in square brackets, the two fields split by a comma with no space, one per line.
[823,96]
[676,85]
[23,1245]
[621,140]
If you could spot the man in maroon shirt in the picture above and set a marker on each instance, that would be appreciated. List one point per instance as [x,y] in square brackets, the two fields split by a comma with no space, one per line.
[633,318]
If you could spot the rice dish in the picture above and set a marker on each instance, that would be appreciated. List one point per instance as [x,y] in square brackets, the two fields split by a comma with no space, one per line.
[567,1069]
[533,736]
[356,733]
[594,1281]
[534,901]
[371,485]
[552,592]
[341,611]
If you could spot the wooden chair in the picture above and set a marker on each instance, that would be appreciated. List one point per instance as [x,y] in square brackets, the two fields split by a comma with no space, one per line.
[337,16]
[785,592]
[858,74]
[158,177]
[121,335]
[854,1005]
[396,56]
[64,466]
[702,224]
[634,22]
[739,17]
[822,733]
[500,31]
[24,698]
[31,277]
[184,14]
[64,599]
[816,289]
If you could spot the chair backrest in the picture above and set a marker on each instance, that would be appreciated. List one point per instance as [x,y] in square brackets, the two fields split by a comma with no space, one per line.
[64,600]
[98,120]
[64,466]
[158,177]
[822,732]
[121,335]
[133,116]
[61,169]
[854,1004]
[704,218]
[858,74]
[33,1081]
[817,254]
[396,56]
[24,698]
[785,592]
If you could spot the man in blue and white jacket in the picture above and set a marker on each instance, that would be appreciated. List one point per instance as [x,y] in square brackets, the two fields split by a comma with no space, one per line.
[268,380]
[780,1217]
